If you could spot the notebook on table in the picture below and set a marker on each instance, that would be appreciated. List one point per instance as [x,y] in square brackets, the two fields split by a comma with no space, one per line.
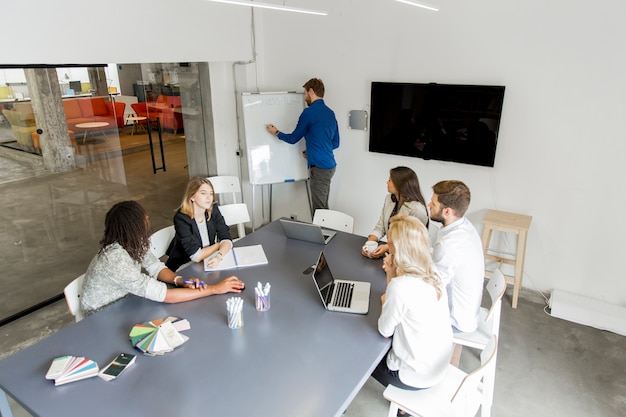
[341,295]
[240,257]
[306,231]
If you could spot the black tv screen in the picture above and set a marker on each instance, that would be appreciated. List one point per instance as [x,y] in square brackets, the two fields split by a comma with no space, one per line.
[445,122]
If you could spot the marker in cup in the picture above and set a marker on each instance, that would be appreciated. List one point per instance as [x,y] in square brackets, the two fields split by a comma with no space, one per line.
[262,297]
[234,307]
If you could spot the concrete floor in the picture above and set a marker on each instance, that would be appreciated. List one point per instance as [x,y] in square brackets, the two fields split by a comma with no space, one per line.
[53,222]
[49,233]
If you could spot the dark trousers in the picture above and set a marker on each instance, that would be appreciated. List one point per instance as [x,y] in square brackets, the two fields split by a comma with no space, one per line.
[386,376]
[319,181]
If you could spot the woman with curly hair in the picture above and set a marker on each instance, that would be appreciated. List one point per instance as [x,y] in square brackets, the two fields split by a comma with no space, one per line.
[116,270]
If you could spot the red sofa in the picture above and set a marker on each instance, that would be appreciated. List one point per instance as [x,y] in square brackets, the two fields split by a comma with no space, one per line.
[166,108]
[93,109]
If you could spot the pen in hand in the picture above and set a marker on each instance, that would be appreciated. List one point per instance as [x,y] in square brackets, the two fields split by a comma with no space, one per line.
[217,252]
[190,281]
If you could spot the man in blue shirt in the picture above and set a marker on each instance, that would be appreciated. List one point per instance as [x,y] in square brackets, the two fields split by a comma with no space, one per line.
[318,125]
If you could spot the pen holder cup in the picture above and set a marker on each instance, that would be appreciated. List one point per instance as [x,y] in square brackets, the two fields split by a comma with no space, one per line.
[235,319]
[262,302]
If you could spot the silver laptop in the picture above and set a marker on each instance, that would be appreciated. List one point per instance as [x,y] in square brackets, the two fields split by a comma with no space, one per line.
[339,294]
[306,231]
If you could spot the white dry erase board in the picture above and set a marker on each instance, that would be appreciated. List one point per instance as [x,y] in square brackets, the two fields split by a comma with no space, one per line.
[270,160]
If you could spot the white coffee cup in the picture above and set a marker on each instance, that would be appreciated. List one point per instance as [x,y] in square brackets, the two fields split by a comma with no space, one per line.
[371,245]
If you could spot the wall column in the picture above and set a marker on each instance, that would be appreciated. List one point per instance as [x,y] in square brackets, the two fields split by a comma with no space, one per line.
[195,94]
[98,81]
[45,93]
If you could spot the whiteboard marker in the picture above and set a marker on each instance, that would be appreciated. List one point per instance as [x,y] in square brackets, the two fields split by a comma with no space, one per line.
[290,180]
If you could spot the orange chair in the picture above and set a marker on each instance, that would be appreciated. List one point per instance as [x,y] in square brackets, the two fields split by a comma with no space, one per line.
[169,118]
[141,109]
[37,141]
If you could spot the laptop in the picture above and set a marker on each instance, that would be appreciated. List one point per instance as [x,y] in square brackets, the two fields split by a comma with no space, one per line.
[338,294]
[306,231]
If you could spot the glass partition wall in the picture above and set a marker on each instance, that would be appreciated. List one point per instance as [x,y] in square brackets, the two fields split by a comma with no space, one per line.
[51,220]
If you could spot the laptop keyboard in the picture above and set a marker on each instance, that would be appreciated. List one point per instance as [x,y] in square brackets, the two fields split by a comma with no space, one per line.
[343,294]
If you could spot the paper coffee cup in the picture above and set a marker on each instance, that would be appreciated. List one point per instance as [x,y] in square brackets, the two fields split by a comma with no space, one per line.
[371,245]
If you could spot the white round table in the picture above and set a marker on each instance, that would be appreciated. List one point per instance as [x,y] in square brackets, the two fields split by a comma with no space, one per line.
[90,125]
[136,120]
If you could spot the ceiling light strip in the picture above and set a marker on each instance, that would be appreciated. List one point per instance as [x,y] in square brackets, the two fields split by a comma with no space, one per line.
[271,6]
[418,4]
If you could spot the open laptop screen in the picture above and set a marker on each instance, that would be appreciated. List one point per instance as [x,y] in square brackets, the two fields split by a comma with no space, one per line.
[323,277]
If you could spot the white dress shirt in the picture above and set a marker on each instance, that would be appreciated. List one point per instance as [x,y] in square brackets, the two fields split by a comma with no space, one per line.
[458,255]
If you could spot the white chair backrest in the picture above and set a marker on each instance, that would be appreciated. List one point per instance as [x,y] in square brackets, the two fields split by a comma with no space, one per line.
[468,392]
[223,184]
[496,288]
[236,214]
[333,219]
[160,240]
[128,100]
[73,291]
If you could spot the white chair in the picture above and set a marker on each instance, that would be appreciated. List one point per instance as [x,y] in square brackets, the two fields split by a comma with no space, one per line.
[488,319]
[73,291]
[128,100]
[5,408]
[488,326]
[236,214]
[160,240]
[458,395]
[223,184]
[333,219]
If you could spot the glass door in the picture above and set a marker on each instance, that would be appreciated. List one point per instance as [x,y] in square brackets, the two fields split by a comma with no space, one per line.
[51,223]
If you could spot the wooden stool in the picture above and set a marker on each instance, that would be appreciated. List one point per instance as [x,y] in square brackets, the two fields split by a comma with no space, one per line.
[519,224]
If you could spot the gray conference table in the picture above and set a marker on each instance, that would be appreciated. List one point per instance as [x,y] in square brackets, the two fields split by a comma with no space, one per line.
[295,359]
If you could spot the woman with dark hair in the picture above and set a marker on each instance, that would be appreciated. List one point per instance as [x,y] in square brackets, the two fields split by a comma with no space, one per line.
[405,197]
[201,231]
[116,270]
[414,311]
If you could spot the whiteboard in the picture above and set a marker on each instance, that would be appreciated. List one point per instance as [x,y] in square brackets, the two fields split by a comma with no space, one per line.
[270,160]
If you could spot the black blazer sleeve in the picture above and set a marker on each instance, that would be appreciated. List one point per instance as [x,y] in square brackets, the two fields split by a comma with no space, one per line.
[187,240]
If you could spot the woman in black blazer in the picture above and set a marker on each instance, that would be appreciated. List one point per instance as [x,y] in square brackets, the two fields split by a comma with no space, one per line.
[201,231]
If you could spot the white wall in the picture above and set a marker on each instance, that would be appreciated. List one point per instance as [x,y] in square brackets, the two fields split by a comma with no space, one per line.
[561,140]
[561,146]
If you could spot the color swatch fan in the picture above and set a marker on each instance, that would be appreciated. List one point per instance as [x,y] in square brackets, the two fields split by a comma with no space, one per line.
[159,336]
[69,368]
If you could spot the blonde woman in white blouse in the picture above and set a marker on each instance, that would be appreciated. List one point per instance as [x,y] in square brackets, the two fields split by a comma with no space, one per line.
[414,311]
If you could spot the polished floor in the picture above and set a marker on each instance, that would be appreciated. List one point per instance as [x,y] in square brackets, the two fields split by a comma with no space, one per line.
[50,226]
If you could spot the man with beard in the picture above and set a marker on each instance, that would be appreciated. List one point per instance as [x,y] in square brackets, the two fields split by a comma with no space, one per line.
[318,125]
[458,255]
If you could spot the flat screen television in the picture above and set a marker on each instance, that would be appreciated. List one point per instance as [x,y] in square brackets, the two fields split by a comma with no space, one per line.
[445,122]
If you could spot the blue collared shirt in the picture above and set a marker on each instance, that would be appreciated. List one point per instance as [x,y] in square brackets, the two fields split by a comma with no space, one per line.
[318,125]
